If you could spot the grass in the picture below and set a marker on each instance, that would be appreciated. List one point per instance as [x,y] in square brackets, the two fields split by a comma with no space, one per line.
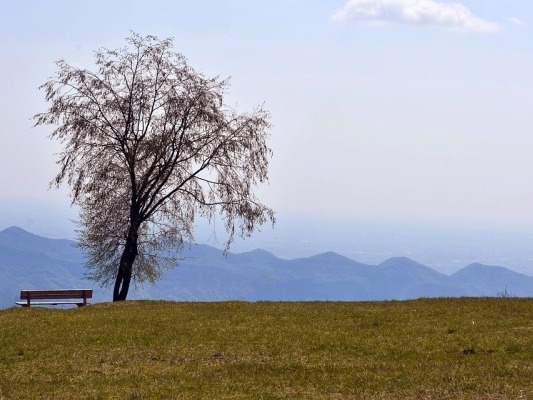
[423,349]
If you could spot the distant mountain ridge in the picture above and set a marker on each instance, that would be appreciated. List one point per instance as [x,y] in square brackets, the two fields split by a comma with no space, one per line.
[205,274]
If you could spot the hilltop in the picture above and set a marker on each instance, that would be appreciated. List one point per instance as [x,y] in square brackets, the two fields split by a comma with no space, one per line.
[424,349]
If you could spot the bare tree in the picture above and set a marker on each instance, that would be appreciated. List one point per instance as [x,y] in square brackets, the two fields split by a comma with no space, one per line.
[148,146]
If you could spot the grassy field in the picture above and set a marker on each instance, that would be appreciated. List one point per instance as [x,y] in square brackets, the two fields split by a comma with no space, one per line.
[423,349]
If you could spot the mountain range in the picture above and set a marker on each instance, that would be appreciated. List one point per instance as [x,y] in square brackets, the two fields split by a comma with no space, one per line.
[28,261]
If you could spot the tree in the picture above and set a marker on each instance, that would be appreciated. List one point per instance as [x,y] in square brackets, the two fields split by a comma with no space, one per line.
[148,146]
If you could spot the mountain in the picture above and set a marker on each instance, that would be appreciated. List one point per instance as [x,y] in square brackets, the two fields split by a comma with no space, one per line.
[28,261]
[485,280]
[206,274]
[402,278]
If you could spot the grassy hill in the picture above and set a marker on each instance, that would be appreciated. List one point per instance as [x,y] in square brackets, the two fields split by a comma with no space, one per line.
[423,349]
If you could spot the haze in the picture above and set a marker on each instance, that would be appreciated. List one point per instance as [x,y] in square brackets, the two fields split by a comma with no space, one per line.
[408,112]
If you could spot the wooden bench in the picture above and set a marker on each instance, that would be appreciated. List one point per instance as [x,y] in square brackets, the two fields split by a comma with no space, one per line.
[67,296]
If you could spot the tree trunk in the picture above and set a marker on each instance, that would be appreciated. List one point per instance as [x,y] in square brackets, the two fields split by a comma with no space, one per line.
[125,269]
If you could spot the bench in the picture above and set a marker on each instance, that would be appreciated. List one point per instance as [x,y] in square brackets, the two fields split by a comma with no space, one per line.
[66,296]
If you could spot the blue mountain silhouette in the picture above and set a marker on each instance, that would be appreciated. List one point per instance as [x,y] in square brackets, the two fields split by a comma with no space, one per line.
[206,274]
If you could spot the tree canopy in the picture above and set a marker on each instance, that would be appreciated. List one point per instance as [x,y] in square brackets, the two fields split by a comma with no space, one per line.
[148,146]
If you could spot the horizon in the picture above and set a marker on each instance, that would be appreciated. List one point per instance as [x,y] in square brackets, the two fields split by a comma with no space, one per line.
[507,250]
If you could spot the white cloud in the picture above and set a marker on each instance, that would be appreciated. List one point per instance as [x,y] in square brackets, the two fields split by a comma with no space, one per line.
[517,21]
[415,12]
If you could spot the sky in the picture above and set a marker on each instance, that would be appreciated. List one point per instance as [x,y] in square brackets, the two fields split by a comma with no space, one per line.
[401,111]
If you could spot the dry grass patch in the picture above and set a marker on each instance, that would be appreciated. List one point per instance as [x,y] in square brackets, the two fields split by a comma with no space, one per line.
[424,349]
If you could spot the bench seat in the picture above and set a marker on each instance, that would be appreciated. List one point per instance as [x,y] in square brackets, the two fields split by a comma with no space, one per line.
[56,296]
[49,303]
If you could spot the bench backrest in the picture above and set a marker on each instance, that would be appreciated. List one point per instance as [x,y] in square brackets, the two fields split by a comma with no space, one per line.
[56,294]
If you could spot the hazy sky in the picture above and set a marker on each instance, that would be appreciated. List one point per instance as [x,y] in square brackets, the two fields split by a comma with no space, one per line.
[403,110]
